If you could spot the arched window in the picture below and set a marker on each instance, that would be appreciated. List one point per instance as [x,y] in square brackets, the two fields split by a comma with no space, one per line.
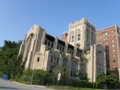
[72,36]
[38,59]
[78,36]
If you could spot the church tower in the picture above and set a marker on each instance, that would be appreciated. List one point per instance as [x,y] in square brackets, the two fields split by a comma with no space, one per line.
[82,34]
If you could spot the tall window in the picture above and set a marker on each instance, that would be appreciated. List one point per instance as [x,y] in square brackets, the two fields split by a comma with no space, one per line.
[113,50]
[72,36]
[78,37]
[88,35]
[72,39]
[38,59]
[78,34]
[45,42]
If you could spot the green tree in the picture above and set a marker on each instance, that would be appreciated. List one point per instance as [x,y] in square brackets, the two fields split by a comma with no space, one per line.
[58,69]
[109,79]
[8,58]
[101,79]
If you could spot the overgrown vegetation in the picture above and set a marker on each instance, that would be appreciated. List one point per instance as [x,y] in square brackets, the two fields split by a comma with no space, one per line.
[108,80]
[40,77]
[78,45]
[83,58]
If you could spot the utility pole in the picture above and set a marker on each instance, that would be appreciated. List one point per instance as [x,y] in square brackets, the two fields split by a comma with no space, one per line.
[32,77]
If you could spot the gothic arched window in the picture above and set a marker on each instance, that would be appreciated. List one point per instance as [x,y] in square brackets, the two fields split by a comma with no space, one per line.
[72,36]
[79,34]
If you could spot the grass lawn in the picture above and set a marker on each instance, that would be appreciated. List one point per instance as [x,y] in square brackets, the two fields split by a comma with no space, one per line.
[71,88]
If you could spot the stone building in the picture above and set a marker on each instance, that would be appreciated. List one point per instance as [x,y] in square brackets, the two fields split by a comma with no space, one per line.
[43,51]
[40,50]
[83,34]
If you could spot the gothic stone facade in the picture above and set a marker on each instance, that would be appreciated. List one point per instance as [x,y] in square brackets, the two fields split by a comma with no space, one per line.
[40,50]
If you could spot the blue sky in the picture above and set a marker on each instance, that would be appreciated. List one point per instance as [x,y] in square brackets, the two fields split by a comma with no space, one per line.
[17,16]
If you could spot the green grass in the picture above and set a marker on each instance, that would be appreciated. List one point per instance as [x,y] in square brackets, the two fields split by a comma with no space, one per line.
[71,88]
[20,81]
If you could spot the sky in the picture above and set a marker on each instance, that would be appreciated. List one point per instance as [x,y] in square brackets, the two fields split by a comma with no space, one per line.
[18,16]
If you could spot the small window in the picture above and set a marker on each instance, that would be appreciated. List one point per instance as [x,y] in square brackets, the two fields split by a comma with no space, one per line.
[113,50]
[114,67]
[113,61]
[66,34]
[72,39]
[38,59]
[78,39]
[113,45]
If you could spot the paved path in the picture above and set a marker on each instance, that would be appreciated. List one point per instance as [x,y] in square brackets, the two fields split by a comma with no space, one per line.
[9,85]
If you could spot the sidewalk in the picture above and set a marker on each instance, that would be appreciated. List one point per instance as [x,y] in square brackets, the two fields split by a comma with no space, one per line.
[28,84]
